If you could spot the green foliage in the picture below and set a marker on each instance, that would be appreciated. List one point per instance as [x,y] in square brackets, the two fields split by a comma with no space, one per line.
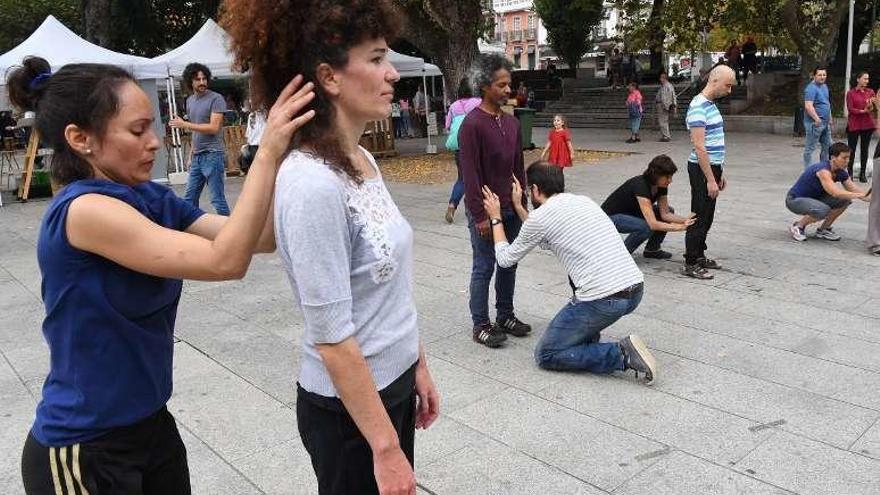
[569,25]
[140,27]
[685,20]
[20,18]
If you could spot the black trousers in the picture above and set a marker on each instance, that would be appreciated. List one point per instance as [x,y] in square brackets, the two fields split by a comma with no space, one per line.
[341,457]
[704,207]
[863,140]
[147,458]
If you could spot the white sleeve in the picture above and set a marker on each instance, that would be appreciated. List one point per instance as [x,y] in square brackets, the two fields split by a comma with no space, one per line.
[318,243]
[530,235]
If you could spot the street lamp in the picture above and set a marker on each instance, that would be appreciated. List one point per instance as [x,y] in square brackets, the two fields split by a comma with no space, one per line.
[849,43]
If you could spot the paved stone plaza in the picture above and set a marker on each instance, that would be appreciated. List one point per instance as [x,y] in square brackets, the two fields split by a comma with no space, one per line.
[769,377]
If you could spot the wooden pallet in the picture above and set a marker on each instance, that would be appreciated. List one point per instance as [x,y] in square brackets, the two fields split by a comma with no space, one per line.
[233,139]
[378,138]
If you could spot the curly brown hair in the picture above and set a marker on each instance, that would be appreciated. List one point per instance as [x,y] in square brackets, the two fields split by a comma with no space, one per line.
[277,39]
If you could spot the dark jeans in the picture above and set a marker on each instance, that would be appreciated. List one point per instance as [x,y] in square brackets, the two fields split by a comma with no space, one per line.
[146,458]
[704,208]
[485,266]
[458,187]
[863,139]
[341,457]
[571,341]
[638,231]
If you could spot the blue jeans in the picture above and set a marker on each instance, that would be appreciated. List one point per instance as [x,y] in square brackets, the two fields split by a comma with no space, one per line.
[571,341]
[483,268]
[635,122]
[458,187]
[638,231]
[816,135]
[207,167]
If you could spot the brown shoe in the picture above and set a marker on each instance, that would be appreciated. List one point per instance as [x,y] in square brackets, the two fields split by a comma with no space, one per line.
[450,213]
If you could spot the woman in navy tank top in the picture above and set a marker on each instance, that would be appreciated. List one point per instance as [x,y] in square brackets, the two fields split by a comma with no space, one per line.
[113,248]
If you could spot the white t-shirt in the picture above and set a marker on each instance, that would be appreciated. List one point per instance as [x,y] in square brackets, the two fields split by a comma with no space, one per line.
[256,124]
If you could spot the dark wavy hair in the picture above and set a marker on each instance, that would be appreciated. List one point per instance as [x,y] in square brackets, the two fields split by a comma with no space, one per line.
[85,95]
[277,39]
[191,71]
[660,166]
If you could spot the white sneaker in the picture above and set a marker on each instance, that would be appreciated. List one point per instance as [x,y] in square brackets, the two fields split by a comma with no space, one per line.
[797,233]
[827,234]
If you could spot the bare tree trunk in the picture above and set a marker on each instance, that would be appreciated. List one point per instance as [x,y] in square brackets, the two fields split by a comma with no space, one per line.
[656,35]
[447,31]
[97,21]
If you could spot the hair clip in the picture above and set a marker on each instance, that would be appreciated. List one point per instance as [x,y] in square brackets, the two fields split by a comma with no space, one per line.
[42,76]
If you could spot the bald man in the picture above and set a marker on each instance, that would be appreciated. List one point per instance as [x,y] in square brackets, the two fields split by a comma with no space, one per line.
[705,167]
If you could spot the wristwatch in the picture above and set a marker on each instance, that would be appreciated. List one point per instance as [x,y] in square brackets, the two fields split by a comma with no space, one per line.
[494,221]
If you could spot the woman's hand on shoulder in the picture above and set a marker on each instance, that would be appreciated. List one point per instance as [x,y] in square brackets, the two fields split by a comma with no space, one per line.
[285,117]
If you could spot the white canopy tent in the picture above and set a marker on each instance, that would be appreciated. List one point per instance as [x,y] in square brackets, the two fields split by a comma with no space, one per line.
[209,47]
[60,46]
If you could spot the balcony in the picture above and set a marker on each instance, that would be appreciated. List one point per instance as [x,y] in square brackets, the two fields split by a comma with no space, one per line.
[515,35]
[531,34]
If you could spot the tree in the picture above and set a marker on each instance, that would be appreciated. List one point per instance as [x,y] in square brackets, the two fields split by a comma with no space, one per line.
[643,26]
[813,26]
[862,24]
[569,26]
[447,31]
[20,18]
[144,27]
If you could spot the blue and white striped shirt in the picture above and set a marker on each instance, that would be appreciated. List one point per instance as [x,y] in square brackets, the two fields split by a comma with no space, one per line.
[703,113]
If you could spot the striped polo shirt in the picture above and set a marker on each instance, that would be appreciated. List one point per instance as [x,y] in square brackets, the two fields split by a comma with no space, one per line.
[581,235]
[703,113]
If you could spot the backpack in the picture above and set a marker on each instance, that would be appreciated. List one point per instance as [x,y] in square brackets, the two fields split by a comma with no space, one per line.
[452,139]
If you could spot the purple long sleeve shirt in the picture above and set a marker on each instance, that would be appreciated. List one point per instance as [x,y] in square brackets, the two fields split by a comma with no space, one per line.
[490,154]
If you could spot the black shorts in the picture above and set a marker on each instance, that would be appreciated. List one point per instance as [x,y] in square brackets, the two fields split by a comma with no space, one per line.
[146,458]
[341,456]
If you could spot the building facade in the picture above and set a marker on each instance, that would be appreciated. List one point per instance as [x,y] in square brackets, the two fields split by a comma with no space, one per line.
[519,29]
[524,38]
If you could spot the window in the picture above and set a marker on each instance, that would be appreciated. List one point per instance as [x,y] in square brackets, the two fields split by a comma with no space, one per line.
[516,23]
[531,22]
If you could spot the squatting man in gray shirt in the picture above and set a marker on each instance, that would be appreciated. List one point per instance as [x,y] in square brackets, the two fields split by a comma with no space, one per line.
[608,284]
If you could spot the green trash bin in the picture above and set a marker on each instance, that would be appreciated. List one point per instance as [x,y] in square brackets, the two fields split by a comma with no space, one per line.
[526,118]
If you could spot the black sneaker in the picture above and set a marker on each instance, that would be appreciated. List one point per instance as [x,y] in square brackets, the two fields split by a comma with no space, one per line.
[513,326]
[638,358]
[488,335]
[709,264]
[696,271]
[658,254]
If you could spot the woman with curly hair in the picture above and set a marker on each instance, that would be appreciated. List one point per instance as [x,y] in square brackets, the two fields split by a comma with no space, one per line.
[112,249]
[364,385]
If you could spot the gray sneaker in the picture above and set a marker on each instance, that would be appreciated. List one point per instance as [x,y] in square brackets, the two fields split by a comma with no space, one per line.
[827,234]
[638,358]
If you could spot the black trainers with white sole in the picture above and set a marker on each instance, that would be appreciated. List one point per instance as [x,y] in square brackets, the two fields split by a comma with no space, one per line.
[488,335]
[638,358]
[513,326]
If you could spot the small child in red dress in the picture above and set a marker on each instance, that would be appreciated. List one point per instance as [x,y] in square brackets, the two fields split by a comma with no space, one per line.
[559,144]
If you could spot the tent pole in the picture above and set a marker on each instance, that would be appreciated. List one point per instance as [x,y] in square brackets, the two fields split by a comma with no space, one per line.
[174,154]
[175,132]
[429,149]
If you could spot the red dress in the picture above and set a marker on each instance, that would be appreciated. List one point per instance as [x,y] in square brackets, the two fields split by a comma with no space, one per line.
[559,152]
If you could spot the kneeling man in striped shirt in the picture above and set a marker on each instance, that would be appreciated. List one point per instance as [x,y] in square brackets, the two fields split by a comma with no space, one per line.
[608,284]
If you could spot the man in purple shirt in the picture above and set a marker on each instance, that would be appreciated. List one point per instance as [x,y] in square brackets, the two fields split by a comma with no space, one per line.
[490,153]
